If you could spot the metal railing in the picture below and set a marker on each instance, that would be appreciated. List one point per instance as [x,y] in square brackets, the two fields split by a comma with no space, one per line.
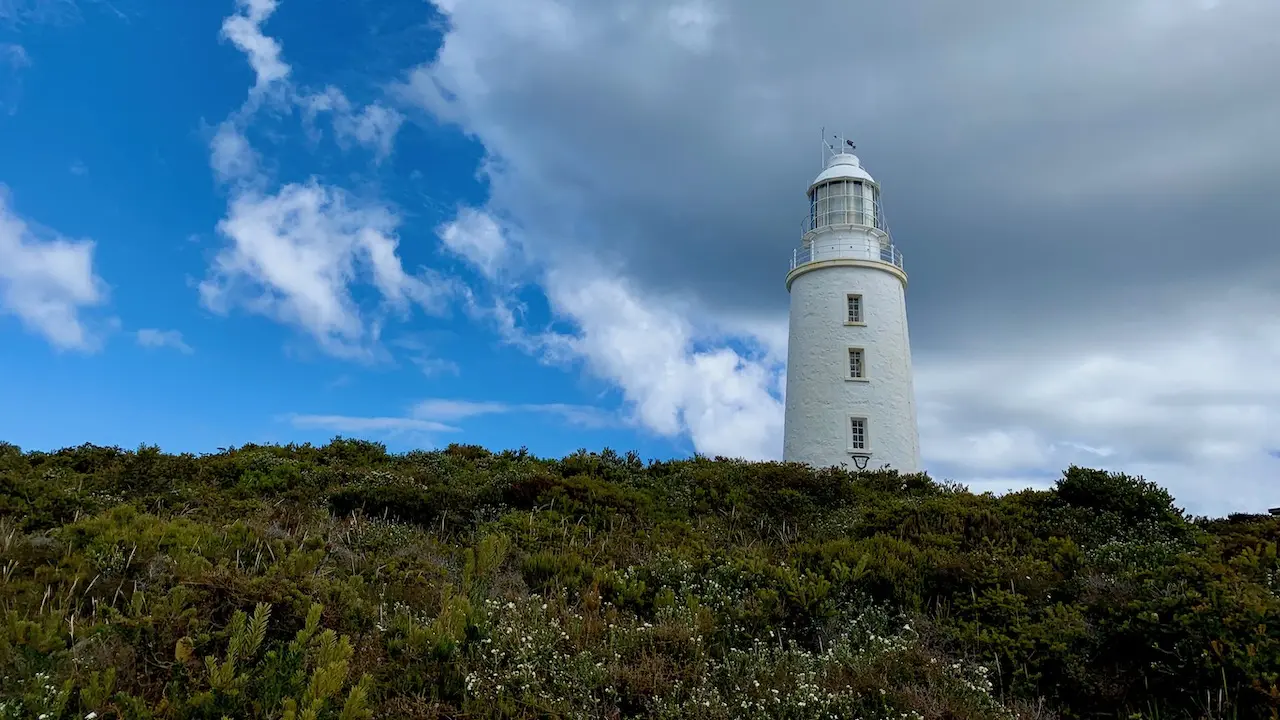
[848,249]
[865,217]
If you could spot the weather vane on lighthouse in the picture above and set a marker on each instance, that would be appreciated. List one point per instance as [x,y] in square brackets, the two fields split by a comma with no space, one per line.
[841,142]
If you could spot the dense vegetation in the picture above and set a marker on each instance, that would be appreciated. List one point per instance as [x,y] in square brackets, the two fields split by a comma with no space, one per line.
[344,582]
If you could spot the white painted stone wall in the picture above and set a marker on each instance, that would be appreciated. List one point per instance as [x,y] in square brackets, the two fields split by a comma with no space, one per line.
[820,400]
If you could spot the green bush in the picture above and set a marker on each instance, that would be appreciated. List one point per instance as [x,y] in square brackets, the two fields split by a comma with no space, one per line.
[343,581]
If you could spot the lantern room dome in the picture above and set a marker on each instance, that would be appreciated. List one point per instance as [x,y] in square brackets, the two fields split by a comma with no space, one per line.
[842,166]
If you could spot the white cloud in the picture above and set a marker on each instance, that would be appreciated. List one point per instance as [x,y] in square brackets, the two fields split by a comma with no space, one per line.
[14,55]
[231,156]
[446,410]
[654,349]
[431,366]
[440,409]
[302,253]
[153,338]
[354,425]
[648,347]
[295,255]
[245,31]
[375,126]
[474,236]
[440,415]
[47,282]
[1182,402]
[421,353]
[13,60]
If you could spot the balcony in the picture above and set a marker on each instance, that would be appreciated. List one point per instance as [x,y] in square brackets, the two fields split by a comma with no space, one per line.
[869,248]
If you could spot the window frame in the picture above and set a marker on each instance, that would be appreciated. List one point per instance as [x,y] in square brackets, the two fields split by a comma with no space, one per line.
[861,320]
[862,364]
[852,449]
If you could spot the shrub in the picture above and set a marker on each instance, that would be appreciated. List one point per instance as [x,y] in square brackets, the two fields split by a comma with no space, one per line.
[345,581]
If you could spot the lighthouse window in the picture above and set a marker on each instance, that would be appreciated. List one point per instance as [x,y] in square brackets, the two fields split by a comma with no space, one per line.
[838,203]
[841,202]
[857,366]
[855,309]
[857,433]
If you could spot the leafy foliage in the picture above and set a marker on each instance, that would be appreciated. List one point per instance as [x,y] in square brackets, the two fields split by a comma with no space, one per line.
[346,582]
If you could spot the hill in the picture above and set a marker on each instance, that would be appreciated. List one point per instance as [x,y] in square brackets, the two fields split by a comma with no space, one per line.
[342,581]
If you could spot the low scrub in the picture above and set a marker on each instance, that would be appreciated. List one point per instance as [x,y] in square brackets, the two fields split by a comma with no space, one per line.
[342,581]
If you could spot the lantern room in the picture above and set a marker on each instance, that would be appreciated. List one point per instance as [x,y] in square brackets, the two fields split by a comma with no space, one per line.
[844,194]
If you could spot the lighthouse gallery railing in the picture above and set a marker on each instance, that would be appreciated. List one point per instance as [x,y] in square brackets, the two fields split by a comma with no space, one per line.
[847,249]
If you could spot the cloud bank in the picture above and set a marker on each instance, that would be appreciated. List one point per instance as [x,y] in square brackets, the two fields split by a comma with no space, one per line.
[1077,190]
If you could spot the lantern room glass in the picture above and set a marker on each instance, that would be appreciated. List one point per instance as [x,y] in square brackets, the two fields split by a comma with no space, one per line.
[845,202]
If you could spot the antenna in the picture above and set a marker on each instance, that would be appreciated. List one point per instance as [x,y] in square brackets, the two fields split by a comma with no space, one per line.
[841,143]
[826,148]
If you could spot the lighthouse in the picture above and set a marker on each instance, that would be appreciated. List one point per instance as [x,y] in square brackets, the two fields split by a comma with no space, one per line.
[850,395]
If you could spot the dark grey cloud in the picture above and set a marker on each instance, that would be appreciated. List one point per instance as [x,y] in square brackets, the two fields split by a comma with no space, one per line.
[1059,176]
[1094,139]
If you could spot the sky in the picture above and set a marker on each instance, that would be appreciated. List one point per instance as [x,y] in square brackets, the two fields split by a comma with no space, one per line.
[565,224]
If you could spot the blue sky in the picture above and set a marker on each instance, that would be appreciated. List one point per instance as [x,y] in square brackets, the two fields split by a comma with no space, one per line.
[107,138]
[566,223]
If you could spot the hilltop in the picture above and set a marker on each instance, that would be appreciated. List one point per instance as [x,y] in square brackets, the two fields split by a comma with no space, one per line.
[343,581]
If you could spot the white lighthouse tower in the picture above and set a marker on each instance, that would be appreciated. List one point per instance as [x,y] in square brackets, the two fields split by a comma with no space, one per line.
[850,395]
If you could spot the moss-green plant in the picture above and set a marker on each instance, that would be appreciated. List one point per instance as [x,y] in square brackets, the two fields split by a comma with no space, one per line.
[343,581]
